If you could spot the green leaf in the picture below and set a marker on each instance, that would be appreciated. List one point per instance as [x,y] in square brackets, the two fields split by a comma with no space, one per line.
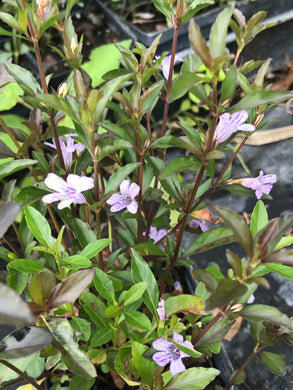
[76,261]
[10,20]
[238,226]
[94,307]
[95,247]
[276,363]
[134,293]
[24,79]
[184,303]
[208,240]
[29,195]
[182,84]
[75,359]
[229,84]
[39,226]
[104,285]
[99,63]
[13,309]
[266,313]
[23,342]
[9,167]
[83,326]
[117,177]
[259,218]
[195,378]
[219,31]
[26,265]
[141,272]
[144,366]
[258,98]
[186,164]
[189,351]
[78,383]
[137,320]
[282,270]
[8,212]
[102,336]
[6,374]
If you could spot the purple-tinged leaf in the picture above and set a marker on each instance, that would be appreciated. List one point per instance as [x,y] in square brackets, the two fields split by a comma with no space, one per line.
[70,288]
[8,212]
[227,293]
[13,309]
[209,280]
[266,313]
[24,341]
[238,226]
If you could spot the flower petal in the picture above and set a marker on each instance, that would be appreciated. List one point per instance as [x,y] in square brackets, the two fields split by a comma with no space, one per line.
[50,198]
[246,127]
[238,118]
[176,367]
[124,187]
[133,190]
[115,198]
[80,183]
[117,207]
[64,203]
[162,344]
[177,337]
[55,183]
[162,358]
[132,207]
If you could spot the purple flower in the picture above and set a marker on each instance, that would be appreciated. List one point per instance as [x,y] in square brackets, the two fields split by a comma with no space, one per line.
[250,299]
[161,310]
[67,191]
[170,353]
[67,149]
[230,123]
[156,234]
[177,286]
[126,199]
[261,184]
[166,61]
[198,223]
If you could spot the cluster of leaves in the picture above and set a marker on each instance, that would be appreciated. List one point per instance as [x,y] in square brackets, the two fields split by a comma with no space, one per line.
[93,278]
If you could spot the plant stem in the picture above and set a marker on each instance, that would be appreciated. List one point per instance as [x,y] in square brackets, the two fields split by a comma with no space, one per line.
[97,196]
[208,326]
[241,369]
[22,374]
[7,131]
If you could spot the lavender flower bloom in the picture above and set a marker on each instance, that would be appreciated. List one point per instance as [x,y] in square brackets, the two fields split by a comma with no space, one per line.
[169,353]
[156,234]
[251,299]
[230,123]
[161,310]
[177,286]
[198,223]
[126,199]
[67,149]
[166,62]
[261,184]
[67,191]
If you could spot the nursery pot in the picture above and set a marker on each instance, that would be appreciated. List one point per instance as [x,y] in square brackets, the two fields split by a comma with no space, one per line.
[277,11]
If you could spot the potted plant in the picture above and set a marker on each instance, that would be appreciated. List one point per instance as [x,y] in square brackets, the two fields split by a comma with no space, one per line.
[103,214]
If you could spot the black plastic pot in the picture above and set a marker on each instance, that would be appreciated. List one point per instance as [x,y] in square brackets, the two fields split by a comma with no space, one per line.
[278,11]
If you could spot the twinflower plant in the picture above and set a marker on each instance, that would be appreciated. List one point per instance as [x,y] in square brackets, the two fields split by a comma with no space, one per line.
[93,222]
